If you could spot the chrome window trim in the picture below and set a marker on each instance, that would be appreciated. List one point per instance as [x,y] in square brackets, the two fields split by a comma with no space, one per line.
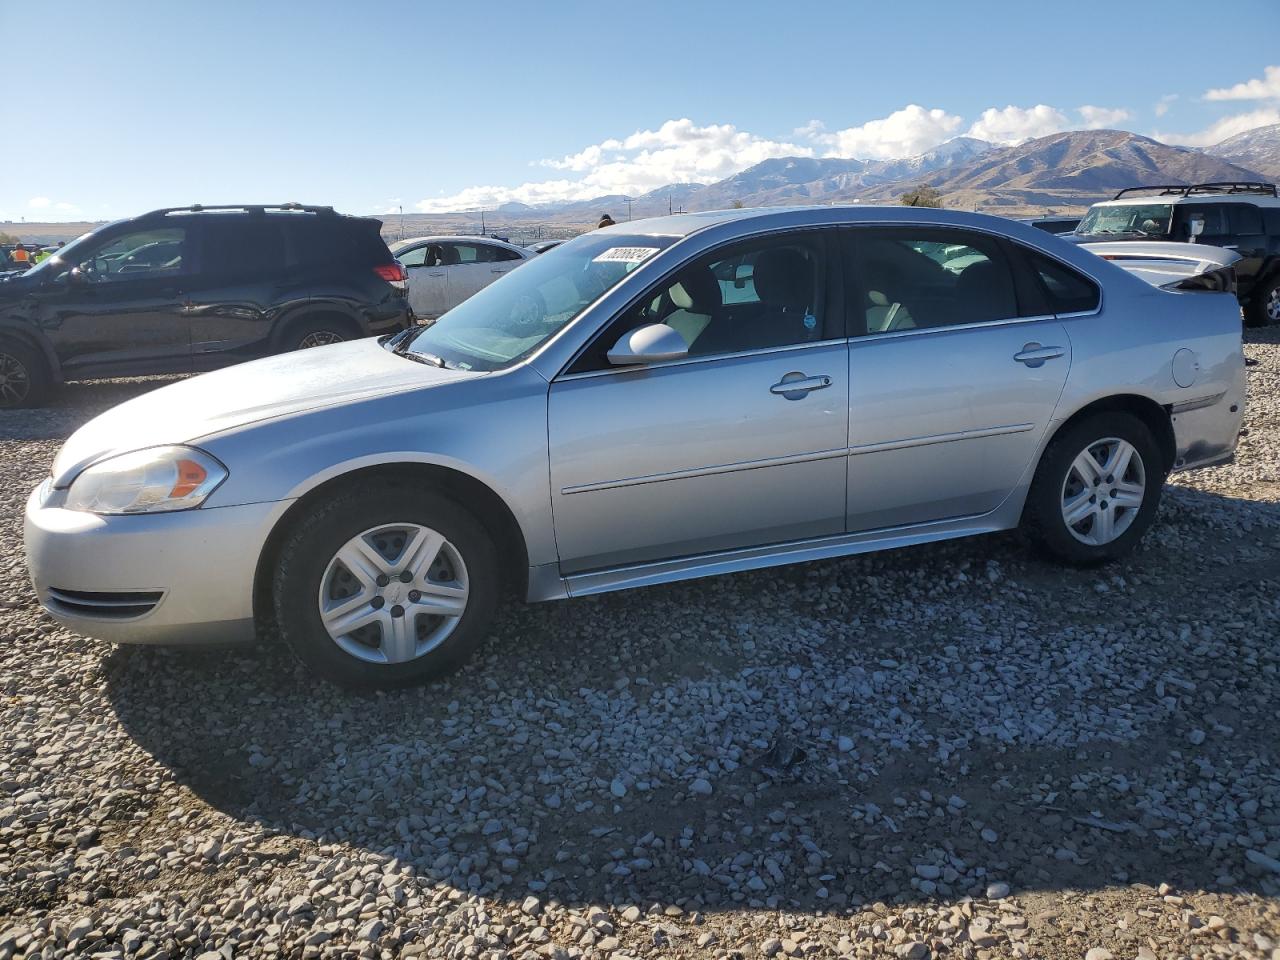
[709,358]
[976,325]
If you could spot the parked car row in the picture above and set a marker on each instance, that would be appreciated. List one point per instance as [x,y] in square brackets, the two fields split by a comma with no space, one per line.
[190,289]
[648,402]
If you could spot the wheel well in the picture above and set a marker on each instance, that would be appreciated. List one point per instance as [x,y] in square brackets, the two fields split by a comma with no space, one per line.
[1156,417]
[486,506]
[339,320]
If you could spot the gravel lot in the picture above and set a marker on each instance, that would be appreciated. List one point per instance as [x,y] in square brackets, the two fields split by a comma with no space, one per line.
[958,750]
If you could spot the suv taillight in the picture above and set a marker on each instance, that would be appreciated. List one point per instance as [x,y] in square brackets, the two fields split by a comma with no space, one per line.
[393,273]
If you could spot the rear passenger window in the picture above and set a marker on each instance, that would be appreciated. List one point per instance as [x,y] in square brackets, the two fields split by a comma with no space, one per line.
[242,247]
[1245,219]
[908,278]
[502,254]
[331,240]
[1068,291]
[1273,222]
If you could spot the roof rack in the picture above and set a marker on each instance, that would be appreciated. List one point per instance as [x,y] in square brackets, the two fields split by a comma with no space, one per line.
[247,207]
[1187,189]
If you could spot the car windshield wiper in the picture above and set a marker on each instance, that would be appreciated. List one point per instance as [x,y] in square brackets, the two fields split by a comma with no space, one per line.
[399,345]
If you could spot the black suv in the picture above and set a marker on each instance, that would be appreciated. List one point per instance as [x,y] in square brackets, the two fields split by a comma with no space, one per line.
[1241,216]
[190,289]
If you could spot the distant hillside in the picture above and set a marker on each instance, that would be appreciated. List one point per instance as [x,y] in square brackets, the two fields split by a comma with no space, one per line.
[1257,149]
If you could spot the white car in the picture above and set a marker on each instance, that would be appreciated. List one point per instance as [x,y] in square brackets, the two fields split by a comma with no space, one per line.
[444,271]
[1171,265]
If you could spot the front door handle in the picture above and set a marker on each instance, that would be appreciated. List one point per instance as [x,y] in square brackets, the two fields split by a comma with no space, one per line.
[1034,355]
[795,385]
[497,271]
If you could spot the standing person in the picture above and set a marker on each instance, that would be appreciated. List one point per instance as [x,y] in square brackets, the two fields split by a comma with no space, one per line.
[605,221]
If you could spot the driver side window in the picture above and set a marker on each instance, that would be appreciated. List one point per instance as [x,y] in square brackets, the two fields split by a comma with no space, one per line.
[749,296]
[140,255]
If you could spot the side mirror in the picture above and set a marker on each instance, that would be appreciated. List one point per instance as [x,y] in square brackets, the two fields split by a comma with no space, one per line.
[1195,226]
[649,344]
[76,277]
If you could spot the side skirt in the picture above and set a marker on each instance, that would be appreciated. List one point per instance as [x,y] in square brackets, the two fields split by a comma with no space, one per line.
[545,583]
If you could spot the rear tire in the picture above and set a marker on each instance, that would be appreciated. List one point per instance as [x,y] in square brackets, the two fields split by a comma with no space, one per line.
[1096,490]
[1264,308]
[316,332]
[386,586]
[24,376]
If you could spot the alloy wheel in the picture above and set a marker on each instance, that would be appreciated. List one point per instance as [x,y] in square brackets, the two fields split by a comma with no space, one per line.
[15,383]
[1103,491]
[319,338]
[1272,308]
[393,593]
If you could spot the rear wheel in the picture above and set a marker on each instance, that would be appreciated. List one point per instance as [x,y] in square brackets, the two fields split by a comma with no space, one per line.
[24,377]
[386,586]
[1096,490]
[317,332]
[1264,308]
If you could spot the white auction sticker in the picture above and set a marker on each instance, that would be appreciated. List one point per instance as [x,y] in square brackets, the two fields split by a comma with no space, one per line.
[625,254]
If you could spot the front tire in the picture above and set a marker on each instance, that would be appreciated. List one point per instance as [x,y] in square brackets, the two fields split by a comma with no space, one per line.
[386,586]
[1096,490]
[1264,308]
[24,376]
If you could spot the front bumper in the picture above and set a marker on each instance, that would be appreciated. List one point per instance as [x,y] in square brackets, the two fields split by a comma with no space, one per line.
[173,578]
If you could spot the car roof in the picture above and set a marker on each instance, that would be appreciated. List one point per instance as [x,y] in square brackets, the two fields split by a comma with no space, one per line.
[764,218]
[1199,198]
[413,241]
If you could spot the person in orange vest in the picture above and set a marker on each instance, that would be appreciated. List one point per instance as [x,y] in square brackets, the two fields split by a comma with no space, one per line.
[20,255]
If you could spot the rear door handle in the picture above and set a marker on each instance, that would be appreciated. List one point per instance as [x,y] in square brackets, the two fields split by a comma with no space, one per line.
[497,271]
[1034,355]
[793,386]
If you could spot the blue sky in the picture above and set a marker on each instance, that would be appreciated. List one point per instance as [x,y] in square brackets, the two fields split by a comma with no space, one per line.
[434,105]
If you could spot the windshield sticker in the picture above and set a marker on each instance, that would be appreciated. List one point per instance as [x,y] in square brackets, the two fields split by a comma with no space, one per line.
[625,254]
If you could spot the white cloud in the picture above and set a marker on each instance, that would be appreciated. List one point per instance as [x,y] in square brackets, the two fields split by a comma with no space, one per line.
[904,133]
[1015,124]
[679,151]
[1097,118]
[1266,87]
[1162,106]
[39,203]
[1226,127]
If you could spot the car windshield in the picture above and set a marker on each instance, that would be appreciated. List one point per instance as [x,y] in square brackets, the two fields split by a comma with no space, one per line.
[512,317]
[1148,219]
[57,262]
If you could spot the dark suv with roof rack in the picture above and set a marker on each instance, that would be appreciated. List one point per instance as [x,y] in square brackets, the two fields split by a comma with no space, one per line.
[189,289]
[1241,216]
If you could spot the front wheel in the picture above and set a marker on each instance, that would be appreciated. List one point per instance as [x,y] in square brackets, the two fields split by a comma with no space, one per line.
[1096,490]
[1264,309]
[386,586]
[24,378]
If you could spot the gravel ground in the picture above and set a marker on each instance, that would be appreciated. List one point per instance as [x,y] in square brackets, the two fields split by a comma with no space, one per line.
[958,750]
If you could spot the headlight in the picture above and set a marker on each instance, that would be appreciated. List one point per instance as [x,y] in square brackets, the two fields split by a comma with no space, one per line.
[155,480]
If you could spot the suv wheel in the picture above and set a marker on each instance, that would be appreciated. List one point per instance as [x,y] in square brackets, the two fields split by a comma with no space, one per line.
[1096,490]
[24,381]
[1264,308]
[386,586]
[319,332]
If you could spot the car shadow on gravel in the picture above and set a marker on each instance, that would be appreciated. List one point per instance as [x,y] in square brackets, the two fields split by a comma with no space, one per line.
[882,728]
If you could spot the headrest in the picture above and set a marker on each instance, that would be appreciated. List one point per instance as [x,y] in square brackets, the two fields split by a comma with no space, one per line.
[783,278]
[696,290]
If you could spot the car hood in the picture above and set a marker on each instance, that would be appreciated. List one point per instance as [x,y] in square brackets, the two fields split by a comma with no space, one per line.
[267,389]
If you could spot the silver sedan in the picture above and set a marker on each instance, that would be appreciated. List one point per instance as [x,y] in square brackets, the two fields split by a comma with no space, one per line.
[650,402]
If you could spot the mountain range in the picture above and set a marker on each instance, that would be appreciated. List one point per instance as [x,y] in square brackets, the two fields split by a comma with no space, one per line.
[1061,171]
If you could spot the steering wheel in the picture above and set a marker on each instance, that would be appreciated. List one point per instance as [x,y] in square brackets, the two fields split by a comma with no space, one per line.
[527,309]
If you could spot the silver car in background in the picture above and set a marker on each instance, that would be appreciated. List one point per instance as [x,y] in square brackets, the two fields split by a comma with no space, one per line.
[650,402]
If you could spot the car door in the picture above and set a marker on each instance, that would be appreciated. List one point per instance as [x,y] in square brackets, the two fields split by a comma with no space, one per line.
[952,378]
[467,268]
[499,259]
[242,287]
[428,280]
[122,309]
[740,443]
